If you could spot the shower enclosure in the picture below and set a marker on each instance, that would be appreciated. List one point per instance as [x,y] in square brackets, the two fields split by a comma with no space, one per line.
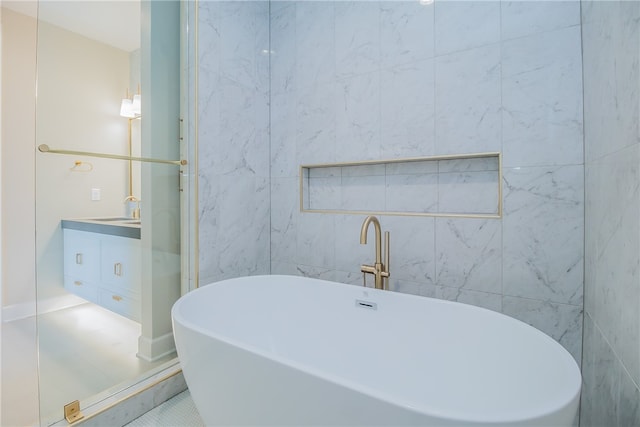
[113,196]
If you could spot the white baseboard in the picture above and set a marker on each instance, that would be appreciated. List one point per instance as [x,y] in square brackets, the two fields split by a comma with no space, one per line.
[28,309]
[152,349]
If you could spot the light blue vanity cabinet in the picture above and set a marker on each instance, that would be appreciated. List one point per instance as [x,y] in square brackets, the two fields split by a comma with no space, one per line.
[103,264]
[81,264]
[120,275]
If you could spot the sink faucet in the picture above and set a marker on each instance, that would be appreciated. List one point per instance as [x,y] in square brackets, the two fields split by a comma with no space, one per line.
[379,270]
[135,214]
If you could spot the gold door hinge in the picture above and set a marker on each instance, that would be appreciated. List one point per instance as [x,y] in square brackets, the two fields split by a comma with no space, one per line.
[72,412]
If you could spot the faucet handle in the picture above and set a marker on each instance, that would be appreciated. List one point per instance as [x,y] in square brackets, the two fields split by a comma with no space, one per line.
[386,253]
[367,269]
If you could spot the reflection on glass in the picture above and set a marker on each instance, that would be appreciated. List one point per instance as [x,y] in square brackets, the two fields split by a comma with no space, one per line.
[103,234]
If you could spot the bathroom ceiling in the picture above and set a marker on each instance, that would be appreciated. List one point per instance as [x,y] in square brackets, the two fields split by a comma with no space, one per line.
[116,23]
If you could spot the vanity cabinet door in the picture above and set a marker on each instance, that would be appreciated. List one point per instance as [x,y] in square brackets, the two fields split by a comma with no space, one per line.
[81,255]
[120,263]
[82,288]
[121,302]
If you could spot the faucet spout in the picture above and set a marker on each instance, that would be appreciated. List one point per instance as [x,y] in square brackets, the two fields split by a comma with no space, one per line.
[363,235]
[379,270]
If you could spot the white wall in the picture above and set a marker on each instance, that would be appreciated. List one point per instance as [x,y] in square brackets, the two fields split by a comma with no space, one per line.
[18,172]
[19,342]
[80,85]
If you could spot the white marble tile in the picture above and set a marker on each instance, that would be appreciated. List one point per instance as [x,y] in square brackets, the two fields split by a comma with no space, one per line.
[628,401]
[315,272]
[407,110]
[357,115]
[523,18]
[316,125]
[480,164]
[412,193]
[411,248]
[468,192]
[357,37]
[235,232]
[543,233]
[542,99]
[469,254]
[285,209]
[600,368]
[314,241]
[363,193]
[363,170]
[241,147]
[326,193]
[468,101]
[613,289]
[353,278]
[282,21]
[350,254]
[286,268]
[283,128]
[243,29]
[209,37]
[404,286]
[179,410]
[461,25]
[562,322]
[406,32]
[412,168]
[315,46]
[611,73]
[479,299]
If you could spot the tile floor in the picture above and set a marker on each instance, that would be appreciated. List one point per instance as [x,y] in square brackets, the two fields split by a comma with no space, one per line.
[179,411]
[83,351]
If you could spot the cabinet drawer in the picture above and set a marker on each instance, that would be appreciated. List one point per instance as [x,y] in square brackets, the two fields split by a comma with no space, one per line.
[82,255]
[121,302]
[120,263]
[81,288]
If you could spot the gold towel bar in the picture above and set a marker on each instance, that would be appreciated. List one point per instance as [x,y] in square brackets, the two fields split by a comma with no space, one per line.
[44,148]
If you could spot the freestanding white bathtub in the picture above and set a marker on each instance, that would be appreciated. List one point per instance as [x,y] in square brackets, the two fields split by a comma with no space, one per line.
[284,350]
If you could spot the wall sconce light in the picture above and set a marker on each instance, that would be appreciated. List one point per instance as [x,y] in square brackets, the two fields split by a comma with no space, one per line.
[131,108]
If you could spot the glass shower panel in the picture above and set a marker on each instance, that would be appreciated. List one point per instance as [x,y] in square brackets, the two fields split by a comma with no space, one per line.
[108,228]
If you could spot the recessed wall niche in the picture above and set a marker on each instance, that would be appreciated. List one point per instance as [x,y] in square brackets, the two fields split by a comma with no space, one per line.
[462,185]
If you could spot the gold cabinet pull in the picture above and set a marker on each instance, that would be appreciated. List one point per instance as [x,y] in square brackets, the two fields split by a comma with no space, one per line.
[77,283]
[117,298]
[117,269]
[79,258]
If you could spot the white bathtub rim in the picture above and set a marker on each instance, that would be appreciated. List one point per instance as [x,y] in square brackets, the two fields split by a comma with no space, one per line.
[423,407]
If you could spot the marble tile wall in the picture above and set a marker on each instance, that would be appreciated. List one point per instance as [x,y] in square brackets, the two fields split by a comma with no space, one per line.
[461,186]
[611,363]
[355,81]
[233,135]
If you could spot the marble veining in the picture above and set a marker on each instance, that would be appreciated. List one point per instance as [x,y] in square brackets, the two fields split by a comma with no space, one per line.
[461,25]
[543,233]
[468,101]
[468,254]
[388,85]
[542,101]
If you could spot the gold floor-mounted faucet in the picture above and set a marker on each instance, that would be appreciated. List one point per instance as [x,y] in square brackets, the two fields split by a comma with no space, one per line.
[380,270]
